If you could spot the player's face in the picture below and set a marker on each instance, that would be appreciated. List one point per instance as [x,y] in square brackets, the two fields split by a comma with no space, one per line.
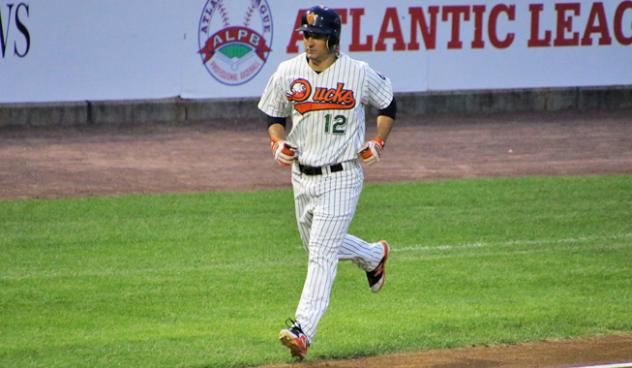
[316,47]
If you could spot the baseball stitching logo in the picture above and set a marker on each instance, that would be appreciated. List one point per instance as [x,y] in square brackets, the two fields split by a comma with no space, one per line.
[235,53]
[300,90]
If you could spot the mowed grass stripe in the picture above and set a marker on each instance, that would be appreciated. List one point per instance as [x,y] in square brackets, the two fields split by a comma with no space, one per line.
[539,242]
[453,250]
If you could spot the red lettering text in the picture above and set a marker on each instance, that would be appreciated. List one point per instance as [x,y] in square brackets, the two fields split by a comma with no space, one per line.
[455,12]
[618,23]
[598,24]
[510,10]
[479,11]
[356,44]
[428,29]
[552,24]
[535,40]
[391,20]
[565,24]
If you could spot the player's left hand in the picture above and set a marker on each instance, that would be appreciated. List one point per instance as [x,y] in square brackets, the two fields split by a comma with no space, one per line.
[372,150]
[284,153]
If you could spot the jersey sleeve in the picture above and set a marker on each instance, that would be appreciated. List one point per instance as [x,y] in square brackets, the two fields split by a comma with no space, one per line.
[273,101]
[377,89]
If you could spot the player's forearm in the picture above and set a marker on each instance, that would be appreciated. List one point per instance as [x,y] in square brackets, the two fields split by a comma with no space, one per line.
[384,126]
[385,120]
[276,132]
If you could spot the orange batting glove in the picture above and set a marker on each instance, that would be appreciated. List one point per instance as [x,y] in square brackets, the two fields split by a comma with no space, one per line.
[284,153]
[372,150]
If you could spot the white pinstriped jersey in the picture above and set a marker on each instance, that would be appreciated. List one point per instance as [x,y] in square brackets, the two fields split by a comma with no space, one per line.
[327,108]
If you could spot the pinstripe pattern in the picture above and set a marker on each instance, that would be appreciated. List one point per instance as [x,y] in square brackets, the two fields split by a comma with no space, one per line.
[324,216]
[316,148]
[325,204]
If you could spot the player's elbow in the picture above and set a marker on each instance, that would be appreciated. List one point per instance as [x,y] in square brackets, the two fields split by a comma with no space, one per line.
[271,120]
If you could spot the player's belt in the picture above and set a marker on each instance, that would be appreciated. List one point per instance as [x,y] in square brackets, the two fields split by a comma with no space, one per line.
[311,170]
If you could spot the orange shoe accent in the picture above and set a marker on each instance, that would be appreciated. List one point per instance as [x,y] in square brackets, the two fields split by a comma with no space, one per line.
[297,344]
[377,277]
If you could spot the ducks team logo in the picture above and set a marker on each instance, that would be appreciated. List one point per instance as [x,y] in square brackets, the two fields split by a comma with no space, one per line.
[323,98]
[234,39]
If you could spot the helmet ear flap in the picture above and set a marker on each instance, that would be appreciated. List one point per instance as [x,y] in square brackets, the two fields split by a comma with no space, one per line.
[333,43]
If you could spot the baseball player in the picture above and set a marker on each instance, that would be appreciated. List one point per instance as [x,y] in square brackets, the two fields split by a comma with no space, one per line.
[324,92]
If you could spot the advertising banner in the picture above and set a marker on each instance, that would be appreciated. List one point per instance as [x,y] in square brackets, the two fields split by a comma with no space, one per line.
[75,50]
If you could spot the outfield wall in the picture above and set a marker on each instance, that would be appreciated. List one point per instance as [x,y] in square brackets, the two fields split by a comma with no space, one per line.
[235,110]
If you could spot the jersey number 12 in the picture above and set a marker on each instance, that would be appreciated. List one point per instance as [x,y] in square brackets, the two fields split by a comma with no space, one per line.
[338,126]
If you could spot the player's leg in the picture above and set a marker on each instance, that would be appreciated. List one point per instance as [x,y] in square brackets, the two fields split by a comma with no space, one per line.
[293,336]
[365,255]
[370,257]
[330,223]
[306,196]
[303,206]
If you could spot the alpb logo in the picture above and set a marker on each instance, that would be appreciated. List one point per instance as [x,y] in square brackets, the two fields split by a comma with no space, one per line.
[235,39]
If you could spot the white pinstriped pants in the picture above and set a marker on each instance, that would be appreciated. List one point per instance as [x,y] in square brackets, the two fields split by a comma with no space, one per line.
[325,205]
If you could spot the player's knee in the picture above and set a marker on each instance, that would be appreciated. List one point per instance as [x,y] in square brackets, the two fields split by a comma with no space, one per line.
[322,256]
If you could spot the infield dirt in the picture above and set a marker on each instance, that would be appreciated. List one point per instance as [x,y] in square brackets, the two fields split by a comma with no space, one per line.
[116,160]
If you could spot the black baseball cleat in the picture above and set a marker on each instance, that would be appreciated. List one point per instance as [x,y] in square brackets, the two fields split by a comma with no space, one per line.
[377,277]
[295,339]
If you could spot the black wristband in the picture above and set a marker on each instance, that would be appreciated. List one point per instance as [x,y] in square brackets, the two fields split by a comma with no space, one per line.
[271,120]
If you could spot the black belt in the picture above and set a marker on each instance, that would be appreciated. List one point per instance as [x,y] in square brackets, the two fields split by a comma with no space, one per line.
[310,170]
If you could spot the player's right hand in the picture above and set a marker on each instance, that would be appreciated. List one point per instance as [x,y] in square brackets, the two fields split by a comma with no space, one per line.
[284,153]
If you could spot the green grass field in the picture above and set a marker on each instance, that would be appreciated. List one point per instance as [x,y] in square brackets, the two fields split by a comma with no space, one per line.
[207,280]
